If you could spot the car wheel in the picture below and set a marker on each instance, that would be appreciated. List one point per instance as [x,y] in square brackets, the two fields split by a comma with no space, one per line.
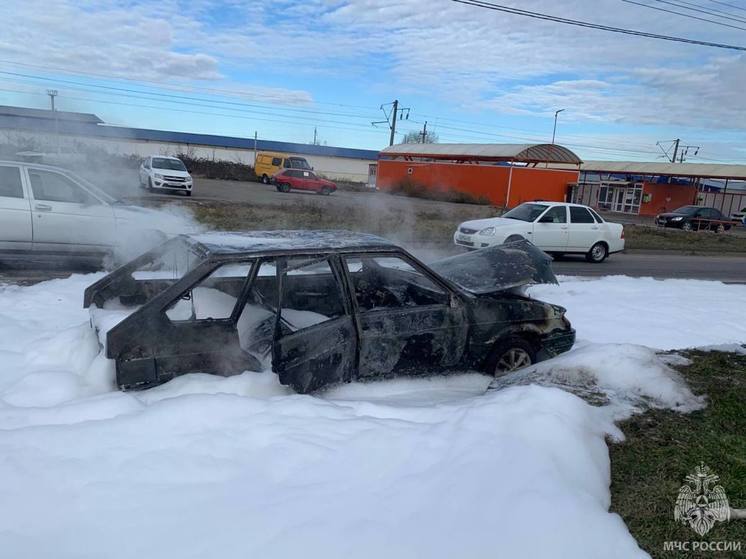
[325,191]
[720,228]
[509,355]
[598,253]
[188,193]
[285,187]
[265,179]
[686,226]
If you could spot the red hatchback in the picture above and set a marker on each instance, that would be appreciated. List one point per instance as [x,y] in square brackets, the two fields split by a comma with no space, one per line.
[300,179]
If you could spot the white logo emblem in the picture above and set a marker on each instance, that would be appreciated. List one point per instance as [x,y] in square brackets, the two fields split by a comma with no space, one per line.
[701,503]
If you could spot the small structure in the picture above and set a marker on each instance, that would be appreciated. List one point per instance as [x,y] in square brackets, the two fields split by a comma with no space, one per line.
[504,174]
[651,188]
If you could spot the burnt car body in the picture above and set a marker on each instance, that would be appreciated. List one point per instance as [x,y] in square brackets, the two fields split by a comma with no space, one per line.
[323,307]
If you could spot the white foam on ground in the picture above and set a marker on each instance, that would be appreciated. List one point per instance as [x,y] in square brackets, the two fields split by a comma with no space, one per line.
[206,466]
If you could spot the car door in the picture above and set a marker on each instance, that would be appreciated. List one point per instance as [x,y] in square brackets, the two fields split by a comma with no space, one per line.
[315,339]
[583,230]
[66,217]
[408,321]
[15,210]
[550,230]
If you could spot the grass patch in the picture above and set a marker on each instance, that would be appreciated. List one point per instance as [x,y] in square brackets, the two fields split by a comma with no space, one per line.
[662,447]
[397,222]
[658,238]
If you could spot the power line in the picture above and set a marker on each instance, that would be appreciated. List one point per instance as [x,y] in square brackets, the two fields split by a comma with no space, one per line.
[578,23]
[728,5]
[684,15]
[705,10]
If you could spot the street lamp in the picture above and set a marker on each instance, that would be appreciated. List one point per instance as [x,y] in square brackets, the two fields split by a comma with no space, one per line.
[554,131]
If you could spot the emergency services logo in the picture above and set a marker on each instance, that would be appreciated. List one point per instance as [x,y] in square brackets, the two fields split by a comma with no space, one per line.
[701,502]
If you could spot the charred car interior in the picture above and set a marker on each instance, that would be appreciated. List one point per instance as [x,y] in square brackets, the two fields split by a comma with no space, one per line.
[320,308]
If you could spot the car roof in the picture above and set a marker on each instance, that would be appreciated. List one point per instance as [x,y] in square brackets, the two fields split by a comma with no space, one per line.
[164,157]
[287,242]
[36,166]
[552,203]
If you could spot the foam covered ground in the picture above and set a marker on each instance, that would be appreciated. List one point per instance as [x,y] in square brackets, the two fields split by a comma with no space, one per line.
[242,467]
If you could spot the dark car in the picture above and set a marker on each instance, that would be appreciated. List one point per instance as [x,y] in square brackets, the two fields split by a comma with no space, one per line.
[323,307]
[301,179]
[694,218]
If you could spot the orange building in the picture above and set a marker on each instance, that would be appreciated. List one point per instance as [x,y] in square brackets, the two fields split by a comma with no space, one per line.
[504,174]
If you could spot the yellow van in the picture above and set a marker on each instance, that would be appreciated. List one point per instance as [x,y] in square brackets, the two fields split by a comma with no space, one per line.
[267,164]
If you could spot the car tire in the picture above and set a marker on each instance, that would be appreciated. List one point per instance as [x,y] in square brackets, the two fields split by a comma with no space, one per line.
[285,187]
[188,193]
[265,179]
[325,191]
[720,228]
[687,226]
[510,354]
[598,253]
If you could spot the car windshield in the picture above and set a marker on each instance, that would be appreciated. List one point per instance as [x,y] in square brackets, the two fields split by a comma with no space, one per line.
[686,210]
[526,212]
[168,163]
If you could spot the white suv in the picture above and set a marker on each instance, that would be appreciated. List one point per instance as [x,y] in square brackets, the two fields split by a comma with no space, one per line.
[165,173]
[553,227]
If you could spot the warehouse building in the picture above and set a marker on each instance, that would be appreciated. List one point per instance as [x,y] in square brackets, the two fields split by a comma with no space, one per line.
[68,132]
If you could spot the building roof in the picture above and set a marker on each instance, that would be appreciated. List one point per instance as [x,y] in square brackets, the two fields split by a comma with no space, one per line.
[525,153]
[45,114]
[703,170]
[87,125]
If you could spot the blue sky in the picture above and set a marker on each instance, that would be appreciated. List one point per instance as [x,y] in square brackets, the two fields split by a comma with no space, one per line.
[283,67]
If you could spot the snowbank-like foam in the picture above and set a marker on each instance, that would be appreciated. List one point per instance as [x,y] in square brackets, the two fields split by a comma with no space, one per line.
[242,467]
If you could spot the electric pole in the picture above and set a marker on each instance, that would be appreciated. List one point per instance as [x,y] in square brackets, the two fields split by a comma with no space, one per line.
[424,133]
[393,123]
[675,149]
[315,141]
[391,117]
[52,94]
[554,130]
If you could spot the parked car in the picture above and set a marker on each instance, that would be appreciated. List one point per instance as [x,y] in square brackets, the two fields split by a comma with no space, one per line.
[159,172]
[554,227]
[269,164]
[49,213]
[694,218]
[298,179]
[322,307]
[739,217]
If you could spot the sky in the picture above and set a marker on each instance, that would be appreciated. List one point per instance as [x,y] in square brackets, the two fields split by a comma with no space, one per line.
[284,68]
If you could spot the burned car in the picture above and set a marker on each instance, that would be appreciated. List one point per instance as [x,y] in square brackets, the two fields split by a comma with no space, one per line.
[322,307]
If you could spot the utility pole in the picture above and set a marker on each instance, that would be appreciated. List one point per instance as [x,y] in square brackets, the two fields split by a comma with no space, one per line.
[393,124]
[391,117]
[315,141]
[424,133]
[255,137]
[52,94]
[554,130]
[675,149]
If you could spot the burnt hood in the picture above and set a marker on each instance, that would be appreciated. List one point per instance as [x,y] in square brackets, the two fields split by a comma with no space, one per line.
[497,268]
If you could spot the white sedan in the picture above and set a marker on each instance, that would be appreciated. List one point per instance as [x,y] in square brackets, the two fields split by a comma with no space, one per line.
[553,227]
[49,213]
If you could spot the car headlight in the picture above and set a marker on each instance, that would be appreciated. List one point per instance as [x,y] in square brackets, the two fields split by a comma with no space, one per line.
[158,176]
[488,232]
[677,218]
